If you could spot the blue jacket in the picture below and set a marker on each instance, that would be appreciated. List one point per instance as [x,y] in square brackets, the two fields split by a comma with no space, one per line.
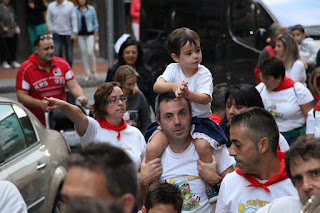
[90,17]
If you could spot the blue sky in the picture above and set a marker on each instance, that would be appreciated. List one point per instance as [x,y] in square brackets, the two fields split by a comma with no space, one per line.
[291,12]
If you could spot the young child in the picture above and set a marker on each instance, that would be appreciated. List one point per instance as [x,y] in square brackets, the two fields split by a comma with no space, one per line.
[307,48]
[188,79]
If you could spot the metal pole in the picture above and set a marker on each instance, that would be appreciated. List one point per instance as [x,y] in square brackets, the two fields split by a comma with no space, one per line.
[110,31]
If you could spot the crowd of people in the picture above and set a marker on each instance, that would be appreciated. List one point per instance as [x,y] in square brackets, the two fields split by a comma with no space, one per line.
[211,148]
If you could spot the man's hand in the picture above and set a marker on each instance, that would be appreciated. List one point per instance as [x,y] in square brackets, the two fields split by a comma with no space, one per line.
[83,100]
[44,104]
[73,37]
[150,171]
[208,171]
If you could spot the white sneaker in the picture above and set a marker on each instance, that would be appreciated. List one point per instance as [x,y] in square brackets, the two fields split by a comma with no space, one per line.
[95,76]
[15,64]
[86,78]
[6,66]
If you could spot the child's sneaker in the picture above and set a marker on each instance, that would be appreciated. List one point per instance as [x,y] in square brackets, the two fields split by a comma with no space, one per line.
[212,195]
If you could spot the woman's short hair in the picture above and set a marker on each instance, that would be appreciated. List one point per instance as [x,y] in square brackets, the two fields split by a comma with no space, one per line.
[272,67]
[101,97]
[125,72]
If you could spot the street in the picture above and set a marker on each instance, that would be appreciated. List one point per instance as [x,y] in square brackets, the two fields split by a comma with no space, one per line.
[89,92]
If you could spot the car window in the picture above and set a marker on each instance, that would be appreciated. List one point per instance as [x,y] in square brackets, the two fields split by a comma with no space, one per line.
[246,19]
[12,138]
[26,124]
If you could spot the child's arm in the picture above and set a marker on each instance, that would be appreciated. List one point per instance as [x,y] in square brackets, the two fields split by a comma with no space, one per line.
[200,98]
[162,86]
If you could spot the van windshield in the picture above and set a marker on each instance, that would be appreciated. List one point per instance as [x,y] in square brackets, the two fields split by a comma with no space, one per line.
[292,12]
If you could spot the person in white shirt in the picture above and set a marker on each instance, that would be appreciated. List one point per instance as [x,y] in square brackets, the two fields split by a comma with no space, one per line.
[11,199]
[62,24]
[260,176]
[307,48]
[303,168]
[287,50]
[288,101]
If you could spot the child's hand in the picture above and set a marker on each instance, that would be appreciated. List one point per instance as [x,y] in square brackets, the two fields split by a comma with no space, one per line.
[184,91]
[177,89]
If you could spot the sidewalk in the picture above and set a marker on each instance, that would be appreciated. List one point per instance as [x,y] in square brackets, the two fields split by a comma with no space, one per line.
[8,76]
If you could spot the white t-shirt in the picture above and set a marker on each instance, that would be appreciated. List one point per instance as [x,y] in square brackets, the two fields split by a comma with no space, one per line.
[201,82]
[181,170]
[284,105]
[297,72]
[283,205]
[283,144]
[313,123]
[131,140]
[308,50]
[234,196]
[11,200]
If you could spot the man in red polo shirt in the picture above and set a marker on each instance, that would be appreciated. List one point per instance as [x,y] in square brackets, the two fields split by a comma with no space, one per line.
[45,75]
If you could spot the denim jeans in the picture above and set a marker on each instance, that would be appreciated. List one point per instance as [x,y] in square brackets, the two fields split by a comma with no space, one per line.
[59,41]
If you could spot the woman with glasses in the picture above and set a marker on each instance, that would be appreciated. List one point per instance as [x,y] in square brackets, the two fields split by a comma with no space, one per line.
[108,127]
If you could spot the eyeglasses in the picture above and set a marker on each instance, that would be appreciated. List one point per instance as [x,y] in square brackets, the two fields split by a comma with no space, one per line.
[116,100]
[48,36]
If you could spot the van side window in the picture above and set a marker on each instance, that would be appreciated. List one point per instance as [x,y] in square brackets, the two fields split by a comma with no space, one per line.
[247,18]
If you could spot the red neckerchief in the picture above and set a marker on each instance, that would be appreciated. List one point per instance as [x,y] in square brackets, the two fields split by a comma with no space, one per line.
[282,175]
[106,125]
[215,118]
[316,97]
[318,106]
[285,84]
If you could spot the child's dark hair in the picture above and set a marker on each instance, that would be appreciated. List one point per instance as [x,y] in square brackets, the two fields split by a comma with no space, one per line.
[298,27]
[180,37]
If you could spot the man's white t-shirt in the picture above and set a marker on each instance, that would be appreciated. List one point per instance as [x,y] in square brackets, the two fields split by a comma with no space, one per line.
[181,170]
[201,82]
[285,204]
[313,123]
[11,200]
[131,140]
[284,105]
[234,196]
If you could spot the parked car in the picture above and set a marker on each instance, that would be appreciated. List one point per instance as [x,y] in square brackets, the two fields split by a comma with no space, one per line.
[31,156]
[232,32]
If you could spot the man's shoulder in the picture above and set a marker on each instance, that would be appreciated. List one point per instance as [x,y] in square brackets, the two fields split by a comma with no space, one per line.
[27,65]
[60,61]
[282,204]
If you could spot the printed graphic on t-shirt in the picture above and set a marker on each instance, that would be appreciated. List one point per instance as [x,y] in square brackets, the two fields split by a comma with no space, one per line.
[190,200]
[272,108]
[251,206]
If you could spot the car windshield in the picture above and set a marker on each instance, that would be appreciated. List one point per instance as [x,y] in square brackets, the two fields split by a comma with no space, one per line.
[292,12]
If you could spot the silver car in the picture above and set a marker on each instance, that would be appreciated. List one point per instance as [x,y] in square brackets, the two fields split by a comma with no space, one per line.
[31,156]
